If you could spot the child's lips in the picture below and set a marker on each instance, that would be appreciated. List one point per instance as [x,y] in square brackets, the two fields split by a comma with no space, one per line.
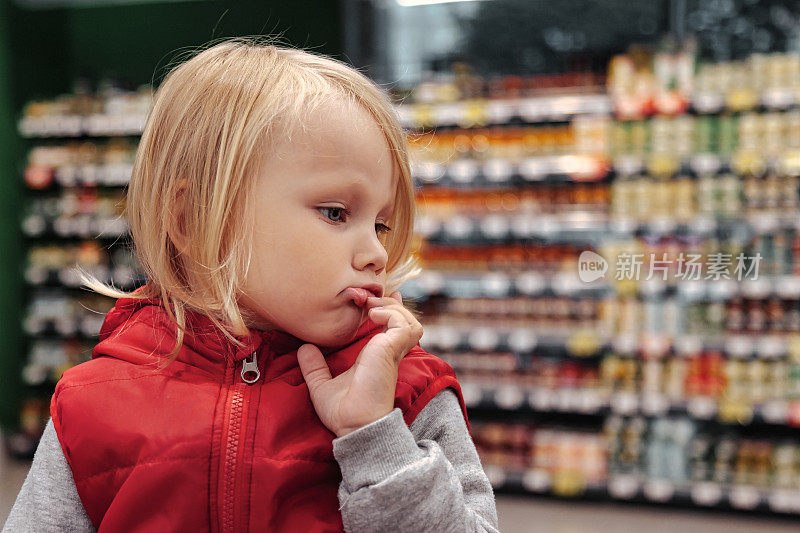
[358,295]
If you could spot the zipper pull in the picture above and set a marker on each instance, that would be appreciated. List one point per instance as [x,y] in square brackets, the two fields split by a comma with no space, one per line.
[250,367]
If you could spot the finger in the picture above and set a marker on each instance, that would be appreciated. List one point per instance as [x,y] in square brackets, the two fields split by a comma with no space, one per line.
[402,317]
[403,335]
[398,296]
[384,300]
[402,309]
[313,366]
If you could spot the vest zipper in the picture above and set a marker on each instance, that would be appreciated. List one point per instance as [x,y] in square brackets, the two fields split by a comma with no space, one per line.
[252,368]
[237,414]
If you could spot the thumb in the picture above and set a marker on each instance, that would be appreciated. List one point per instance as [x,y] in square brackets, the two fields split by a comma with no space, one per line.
[313,366]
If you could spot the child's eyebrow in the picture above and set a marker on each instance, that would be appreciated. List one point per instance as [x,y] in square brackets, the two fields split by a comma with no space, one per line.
[357,191]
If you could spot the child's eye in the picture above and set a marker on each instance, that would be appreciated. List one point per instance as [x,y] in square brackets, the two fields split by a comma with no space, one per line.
[381,228]
[337,210]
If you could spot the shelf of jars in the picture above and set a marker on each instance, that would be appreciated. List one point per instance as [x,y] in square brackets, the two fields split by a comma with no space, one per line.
[109,112]
[80,156]
[507,205]
[665,460]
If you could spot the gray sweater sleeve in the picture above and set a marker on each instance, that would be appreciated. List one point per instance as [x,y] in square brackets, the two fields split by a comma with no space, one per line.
[426,477]
[48,500]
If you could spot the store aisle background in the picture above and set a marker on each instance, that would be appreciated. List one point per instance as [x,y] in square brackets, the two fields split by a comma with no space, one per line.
[523,514]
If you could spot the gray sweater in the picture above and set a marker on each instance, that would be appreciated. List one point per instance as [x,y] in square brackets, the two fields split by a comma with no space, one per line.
[426,477]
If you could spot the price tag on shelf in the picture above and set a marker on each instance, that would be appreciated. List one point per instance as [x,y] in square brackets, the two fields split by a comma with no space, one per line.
[496,284]
[66,326]
[532,109]
[688,344]
[778,98]
[428,171]
[654,403]
[68,277]
[771,346]
[432,281]
[533,168]
[62,225]
[663,226]
[756,288]
[788,286]
[542,399]
[658,490]
[706,494]
[508,397]
[451,113]
[34,374]
[496,475]
[623,486]
[705,163]
[744,497]
[501,111]
[88,174]
[459,226]
[536,480]
[90,325]
[498,170]
[522,225]
[495,226]
[33,225]
[427,225]
[780,501]
[449,337]
[566,400]
[483,338]
[589,401]
[530,283]
[701,407]
[655,345]
[35,275]
[117,174]
[624,403]
[739,346]
[775,411]
[522,340]
[626,344]
[628,164]
[708,102]
[722,289]
[463,170]
[471,393]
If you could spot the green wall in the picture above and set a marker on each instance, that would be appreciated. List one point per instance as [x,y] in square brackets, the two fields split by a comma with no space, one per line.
[10,237]
[41,52]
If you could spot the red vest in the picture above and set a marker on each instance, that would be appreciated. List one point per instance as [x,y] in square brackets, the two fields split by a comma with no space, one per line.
[195,448]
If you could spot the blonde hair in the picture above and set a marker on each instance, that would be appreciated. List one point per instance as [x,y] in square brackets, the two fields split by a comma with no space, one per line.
[211,119]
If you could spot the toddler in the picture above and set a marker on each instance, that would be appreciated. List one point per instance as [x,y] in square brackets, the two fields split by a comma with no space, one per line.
[268,376]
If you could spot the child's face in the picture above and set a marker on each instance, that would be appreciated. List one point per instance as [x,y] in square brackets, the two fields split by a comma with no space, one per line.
[307,248]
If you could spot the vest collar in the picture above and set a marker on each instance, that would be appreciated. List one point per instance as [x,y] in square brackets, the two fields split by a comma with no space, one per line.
[138,329]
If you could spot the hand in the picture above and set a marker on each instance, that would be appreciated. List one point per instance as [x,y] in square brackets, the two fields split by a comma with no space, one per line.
[365,391]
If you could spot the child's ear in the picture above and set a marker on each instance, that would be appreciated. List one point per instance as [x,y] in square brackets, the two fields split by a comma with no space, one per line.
[177,226]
